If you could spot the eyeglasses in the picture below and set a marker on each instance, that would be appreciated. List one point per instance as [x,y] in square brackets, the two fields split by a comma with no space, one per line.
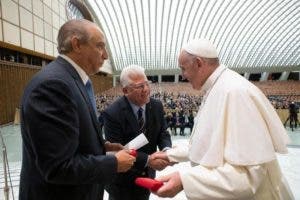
[140,86]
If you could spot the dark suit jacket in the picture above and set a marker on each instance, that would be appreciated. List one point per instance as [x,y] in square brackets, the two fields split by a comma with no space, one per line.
[63,148]
[120,125]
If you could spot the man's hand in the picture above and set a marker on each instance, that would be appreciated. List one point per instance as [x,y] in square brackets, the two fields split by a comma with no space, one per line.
[160,155]
[158,162]
[125,160]
[172,185]
[113,146]
[157,159]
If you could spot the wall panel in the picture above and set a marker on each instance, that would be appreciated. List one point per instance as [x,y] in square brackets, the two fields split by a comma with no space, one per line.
[14,77]
[11,33]
[1,37]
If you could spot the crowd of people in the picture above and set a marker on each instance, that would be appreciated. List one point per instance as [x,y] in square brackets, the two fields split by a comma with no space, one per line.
[181,108]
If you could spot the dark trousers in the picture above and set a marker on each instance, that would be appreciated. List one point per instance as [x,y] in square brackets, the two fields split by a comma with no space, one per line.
[129,192]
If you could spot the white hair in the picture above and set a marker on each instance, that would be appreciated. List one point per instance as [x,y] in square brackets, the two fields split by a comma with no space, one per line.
[130,71]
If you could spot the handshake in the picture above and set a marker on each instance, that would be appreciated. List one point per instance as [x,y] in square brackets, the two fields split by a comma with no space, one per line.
[127,158]
[159,160]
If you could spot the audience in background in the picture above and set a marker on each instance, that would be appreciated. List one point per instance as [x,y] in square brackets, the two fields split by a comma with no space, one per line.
[175,100]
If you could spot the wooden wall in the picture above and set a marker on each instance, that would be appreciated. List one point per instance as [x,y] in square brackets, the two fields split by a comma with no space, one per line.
[15,76]
[102,82]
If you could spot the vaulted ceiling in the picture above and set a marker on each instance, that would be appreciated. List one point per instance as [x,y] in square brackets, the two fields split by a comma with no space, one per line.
[251,35]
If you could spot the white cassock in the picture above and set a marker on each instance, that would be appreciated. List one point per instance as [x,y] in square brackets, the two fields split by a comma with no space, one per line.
[233,144]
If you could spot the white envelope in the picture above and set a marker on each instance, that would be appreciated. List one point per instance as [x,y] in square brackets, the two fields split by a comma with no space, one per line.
[138,142]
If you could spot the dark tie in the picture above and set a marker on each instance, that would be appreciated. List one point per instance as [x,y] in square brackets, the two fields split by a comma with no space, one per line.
[90,91]
[141,122]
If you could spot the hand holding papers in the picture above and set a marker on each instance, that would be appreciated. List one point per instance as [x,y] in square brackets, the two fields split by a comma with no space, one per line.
[134,144]
[138,142]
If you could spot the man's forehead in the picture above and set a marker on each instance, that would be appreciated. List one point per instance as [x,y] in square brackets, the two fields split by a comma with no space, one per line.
[99,38]
[137,76]
[183,58]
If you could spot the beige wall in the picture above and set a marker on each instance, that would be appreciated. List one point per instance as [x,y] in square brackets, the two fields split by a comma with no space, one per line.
[32,24]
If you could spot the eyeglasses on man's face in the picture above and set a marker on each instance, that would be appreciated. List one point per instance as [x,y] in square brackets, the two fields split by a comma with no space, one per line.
[140,86]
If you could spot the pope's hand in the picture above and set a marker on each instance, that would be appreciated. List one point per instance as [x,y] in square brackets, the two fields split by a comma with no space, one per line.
[172,185]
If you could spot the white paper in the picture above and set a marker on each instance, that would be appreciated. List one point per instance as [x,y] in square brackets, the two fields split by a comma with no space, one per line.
[138,142]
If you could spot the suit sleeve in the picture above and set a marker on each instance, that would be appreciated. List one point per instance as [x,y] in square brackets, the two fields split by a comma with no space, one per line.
[52,118]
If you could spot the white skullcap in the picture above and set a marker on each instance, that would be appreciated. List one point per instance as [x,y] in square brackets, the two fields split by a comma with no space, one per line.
[201,47]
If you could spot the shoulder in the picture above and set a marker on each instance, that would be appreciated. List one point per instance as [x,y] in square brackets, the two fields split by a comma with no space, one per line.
[155,102]
[53,76]
[117,106]
[155,105]
[232,82]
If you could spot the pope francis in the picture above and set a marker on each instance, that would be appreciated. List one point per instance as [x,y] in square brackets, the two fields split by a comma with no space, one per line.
[236,136]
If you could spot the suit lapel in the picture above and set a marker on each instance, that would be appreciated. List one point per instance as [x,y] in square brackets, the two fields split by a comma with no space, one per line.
[149,120]
[83,92]
[129,115]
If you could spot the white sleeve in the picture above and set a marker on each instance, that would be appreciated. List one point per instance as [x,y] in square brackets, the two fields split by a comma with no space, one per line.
[226,182]
[178,154]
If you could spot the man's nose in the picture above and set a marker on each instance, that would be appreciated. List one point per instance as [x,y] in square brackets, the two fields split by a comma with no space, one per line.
[105,54]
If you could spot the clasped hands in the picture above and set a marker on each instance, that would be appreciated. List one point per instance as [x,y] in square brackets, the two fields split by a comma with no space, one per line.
[159,161]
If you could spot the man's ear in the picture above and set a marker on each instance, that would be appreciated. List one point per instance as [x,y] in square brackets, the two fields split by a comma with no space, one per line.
[125,90]
[75,44]
[199,62]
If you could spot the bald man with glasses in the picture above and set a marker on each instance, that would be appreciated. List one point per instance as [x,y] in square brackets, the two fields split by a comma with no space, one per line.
[133,114]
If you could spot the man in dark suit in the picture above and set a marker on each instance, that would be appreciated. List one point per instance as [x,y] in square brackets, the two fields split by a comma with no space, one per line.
[126,118]
[63,149]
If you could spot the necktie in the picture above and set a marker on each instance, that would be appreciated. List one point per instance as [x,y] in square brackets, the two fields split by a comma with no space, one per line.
[140,120]
[90,91]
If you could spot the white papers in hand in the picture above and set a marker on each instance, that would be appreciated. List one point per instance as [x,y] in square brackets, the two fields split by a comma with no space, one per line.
[138,142]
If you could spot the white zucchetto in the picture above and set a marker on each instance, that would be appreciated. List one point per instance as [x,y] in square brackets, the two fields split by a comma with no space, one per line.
[201,47]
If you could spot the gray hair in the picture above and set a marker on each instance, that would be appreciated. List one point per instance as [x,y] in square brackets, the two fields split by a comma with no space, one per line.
[72,28]
[129,72]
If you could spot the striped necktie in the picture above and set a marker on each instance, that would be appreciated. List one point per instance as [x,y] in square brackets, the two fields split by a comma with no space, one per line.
[141,121]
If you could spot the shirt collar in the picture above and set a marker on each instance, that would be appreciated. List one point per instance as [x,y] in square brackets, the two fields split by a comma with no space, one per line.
[84,77]
[212,79]
[135,108]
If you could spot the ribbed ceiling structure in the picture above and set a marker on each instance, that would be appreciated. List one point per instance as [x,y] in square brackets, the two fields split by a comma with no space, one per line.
[251,35]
